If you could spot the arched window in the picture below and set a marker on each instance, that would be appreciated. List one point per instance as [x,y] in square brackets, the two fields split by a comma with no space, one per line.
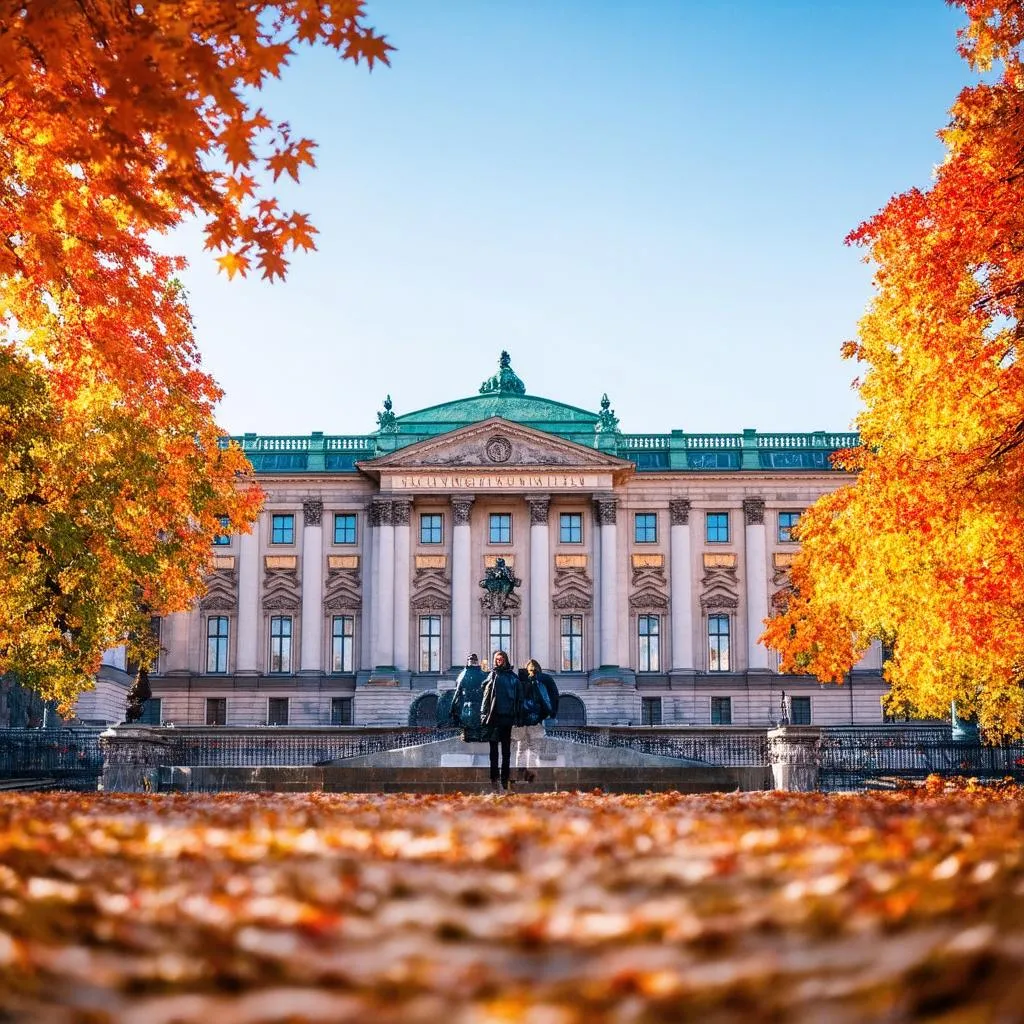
[571,710]
[423,711]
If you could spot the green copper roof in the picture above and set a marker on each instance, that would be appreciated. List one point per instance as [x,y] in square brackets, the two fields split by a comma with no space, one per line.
[504,395]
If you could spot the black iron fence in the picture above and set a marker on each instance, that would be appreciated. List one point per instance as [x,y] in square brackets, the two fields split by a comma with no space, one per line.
[70,758]
[727,747]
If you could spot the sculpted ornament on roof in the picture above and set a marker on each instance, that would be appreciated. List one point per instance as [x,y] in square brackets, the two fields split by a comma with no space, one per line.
[505,380]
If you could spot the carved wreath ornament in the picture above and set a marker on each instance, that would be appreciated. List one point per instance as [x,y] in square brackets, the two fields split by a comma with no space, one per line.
[498,449]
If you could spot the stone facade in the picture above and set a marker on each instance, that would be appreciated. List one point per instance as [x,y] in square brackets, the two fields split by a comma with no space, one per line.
[648,563]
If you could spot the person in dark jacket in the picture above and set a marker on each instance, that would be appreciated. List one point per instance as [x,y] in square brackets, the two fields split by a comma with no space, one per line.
[536,677]
[501,700]
[469,694]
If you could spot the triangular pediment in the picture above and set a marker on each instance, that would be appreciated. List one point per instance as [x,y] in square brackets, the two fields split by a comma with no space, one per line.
[497,444]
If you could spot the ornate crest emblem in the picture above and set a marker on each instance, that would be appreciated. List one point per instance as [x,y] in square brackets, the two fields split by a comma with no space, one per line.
[499,582]
[498,449]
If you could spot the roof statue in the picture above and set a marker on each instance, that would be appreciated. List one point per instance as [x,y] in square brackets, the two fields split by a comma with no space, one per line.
[607,421]
[505,381]
[386,420]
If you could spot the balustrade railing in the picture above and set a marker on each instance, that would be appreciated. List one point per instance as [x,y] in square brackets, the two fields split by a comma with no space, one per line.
[69,756]
[726,747]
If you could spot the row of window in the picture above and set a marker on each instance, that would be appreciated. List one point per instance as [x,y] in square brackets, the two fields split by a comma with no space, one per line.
[721,710]
[499,639]
[499,528]
[278,709]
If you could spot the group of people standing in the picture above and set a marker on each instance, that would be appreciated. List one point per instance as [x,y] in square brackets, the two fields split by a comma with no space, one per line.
[489,705]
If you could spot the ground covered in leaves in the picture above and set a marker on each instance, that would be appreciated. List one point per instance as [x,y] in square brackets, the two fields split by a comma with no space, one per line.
[549,909]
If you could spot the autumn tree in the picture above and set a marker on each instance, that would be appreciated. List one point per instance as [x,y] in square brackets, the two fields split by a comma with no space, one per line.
[119,120]
[924,551]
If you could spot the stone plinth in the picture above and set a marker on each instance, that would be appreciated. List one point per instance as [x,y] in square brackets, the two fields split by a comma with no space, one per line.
[132,756]
[794,753]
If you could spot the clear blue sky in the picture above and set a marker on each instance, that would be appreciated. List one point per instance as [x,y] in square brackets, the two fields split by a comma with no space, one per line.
[648,199]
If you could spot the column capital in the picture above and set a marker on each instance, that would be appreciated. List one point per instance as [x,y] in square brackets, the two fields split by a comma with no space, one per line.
[753,511]
[379,513]
[401,509]
[312,511]
[539,505]
[679,511]
[461,505]
[605,506]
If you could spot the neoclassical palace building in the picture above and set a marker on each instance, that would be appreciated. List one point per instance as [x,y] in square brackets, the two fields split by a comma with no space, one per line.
[646,564]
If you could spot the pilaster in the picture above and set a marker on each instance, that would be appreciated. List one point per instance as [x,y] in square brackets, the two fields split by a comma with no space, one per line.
[756,572]
[462,578]
[312,623]
[540,579]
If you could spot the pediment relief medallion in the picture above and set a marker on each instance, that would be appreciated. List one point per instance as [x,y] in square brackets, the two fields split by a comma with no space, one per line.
[720,587]
[572,590]
[649,587]
[719,600]
[431,590]
[281,589]
[221,591]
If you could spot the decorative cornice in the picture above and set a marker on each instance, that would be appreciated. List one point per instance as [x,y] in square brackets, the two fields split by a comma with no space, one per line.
[679,511]
[312,511]
[753,511]
[606,508]
[461,505]
[539,506]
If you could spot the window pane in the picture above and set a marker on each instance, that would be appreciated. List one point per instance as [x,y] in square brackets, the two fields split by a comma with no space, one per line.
[217,643]
[787,520]
[650,711]
[800,710]
[500,635]
[717,527]
[344,529]
[222,538]
[572,643]
[500,529]
[342,643]
[430,528]
[151,712]
[645,527]
[216,710]
[341,711]
[282,529]
[280,644]
[277,711]
[570,528]
[430,643]
[721,711]
[649,655]
[718,643]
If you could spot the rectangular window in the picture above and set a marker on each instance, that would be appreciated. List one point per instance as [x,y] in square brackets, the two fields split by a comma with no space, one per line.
[216,711]
[281,643]
[718,643]
[650,711]
[787,520]
[222,538]
[431,528]
[645,527]
[343,643]
[721,710]
[217,643]
[282,529]
[648,629]
[500,635]
[499,530]
[344,528]
[151,712]
[341,711]
[572,643]
[570,527]
[430,643]
[800,711]
[277,711]
[717,525]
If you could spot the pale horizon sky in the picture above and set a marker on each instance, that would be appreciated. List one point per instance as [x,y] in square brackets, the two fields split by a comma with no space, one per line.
[650,205]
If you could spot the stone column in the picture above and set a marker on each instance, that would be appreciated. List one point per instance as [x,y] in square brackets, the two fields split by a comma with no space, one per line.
[384,581]
[756,568]
[540,580]
[794,753]
[400,512]
[311,652]
[247,643]
[462,580]
[609,640]
[681,590]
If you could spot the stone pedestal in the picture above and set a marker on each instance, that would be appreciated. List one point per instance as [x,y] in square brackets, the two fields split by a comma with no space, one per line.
[132,756]
[795,758]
